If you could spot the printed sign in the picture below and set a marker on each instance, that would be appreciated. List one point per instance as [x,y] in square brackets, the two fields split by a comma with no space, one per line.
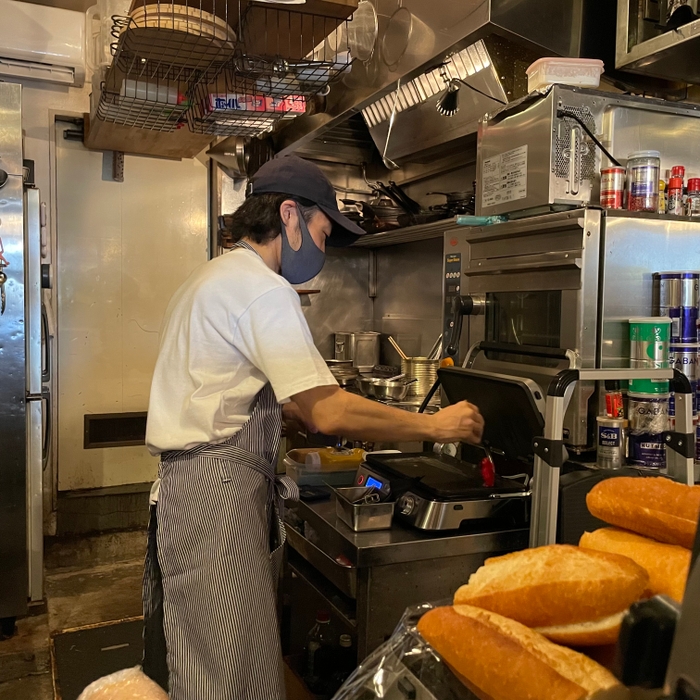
[504,177]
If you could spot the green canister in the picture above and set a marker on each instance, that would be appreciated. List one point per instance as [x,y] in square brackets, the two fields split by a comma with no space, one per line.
[649,340]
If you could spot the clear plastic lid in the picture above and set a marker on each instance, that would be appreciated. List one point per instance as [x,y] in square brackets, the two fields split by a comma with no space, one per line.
[644,154]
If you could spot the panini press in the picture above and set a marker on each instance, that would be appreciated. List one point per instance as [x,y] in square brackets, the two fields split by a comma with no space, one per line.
[438,492]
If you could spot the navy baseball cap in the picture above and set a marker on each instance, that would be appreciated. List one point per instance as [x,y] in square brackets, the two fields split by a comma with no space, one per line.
[300,178]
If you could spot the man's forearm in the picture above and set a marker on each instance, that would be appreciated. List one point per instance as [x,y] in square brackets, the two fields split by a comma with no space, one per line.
[342,413]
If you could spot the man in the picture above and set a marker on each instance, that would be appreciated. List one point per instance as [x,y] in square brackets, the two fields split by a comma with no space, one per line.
[234,347]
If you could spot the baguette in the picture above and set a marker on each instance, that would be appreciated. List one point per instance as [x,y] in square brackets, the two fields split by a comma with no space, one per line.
[652,506]
[666,564]
[504,660]
[558,586]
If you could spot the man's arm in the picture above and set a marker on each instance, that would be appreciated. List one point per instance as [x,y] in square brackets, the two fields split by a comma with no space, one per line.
[336,412]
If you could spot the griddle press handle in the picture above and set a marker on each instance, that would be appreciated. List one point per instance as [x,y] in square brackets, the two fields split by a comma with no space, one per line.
[553,452]
[461,306]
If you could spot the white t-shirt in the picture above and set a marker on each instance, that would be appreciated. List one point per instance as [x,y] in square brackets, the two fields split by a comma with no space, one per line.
[233,326]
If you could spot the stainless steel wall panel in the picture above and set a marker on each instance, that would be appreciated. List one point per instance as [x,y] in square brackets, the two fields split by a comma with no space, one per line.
[409,297]
[344,303]
[13,448]
[635,248]
[11,128]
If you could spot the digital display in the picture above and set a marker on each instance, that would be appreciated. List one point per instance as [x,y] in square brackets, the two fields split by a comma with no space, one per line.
[371,481]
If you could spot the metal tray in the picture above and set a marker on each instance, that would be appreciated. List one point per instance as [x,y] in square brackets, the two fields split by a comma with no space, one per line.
[362,516]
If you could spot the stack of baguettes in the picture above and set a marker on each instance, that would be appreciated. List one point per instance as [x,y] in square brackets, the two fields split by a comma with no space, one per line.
[503,634]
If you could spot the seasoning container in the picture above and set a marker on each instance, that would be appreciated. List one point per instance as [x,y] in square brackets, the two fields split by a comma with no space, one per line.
[649,341]
[679,296]
[662,197]
[611,450]
[683,357]
[678,171]
[614,405]
[692,205]
[675,197]
[643,170]
[648,420]
[612,188]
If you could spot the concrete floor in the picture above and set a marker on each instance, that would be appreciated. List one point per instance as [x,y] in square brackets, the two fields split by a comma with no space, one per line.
[88,580]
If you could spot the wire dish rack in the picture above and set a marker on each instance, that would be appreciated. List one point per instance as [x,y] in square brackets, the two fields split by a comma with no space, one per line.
[235,69]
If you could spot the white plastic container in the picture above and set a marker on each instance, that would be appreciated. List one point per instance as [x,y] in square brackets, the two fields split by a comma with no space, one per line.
[580,72]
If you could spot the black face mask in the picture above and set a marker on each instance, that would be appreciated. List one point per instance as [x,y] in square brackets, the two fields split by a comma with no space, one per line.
[301,265]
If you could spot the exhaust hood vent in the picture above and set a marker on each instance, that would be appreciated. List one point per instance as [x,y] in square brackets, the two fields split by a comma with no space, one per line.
[493,67]
[487,43]
[461,65]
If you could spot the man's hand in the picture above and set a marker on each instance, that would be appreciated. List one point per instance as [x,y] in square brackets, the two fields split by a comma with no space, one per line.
[460,422]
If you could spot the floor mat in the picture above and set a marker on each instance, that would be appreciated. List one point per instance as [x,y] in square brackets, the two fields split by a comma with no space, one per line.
[86,654]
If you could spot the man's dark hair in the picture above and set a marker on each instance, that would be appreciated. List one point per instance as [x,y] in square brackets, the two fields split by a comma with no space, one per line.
[258,218]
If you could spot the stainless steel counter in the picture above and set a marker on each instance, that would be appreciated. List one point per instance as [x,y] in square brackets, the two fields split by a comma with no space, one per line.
[400,544]
[367,579]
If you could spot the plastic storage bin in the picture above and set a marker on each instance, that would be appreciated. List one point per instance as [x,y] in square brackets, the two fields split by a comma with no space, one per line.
[580,72]
[323,465]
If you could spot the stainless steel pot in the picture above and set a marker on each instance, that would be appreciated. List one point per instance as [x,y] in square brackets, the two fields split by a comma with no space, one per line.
[362,347]
[422,369]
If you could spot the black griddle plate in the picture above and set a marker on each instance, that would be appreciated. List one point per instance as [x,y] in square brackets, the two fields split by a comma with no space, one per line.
[510,413]
[438,476]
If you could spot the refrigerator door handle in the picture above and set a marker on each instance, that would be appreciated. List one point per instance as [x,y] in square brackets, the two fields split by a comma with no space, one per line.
[47,432]
[32,291]
[47,343]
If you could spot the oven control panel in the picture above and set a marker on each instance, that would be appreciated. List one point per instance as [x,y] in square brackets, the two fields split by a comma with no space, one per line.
[452,280]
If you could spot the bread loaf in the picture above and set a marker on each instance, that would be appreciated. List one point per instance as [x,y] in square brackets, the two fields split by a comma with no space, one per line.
[653,506]
[666,564]
[504,660]
[558,585]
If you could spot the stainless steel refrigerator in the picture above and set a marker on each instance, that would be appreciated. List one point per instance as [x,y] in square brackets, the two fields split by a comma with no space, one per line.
[23,370]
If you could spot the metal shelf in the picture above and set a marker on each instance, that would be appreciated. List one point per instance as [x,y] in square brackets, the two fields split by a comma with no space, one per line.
[408,234]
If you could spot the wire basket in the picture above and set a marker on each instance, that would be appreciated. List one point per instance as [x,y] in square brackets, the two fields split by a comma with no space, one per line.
[139,100]
[234,105]
[172,42]
[270,79]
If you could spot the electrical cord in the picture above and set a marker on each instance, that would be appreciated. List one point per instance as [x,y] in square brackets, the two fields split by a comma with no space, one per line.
[471,87]
[566,115]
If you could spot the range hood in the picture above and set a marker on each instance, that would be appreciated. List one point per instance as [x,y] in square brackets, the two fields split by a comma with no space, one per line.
[648,42]
[487,43]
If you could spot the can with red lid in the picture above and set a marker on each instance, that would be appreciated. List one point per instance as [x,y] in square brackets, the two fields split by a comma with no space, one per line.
[612,188]
[675,196]
[678,171]
[692,205]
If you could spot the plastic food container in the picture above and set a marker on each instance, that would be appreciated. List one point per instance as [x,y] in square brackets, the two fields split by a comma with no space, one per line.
[580,72]
[316,466]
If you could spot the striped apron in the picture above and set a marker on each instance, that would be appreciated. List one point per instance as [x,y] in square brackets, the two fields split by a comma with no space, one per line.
[214,552]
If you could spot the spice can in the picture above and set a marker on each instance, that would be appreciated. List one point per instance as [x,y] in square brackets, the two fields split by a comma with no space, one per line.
[649,339]
[643,170]
[683,357]
[692,203]
[675,197]
[648,420]
[612,442]
[679,295]
[662,197]
[612,188]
